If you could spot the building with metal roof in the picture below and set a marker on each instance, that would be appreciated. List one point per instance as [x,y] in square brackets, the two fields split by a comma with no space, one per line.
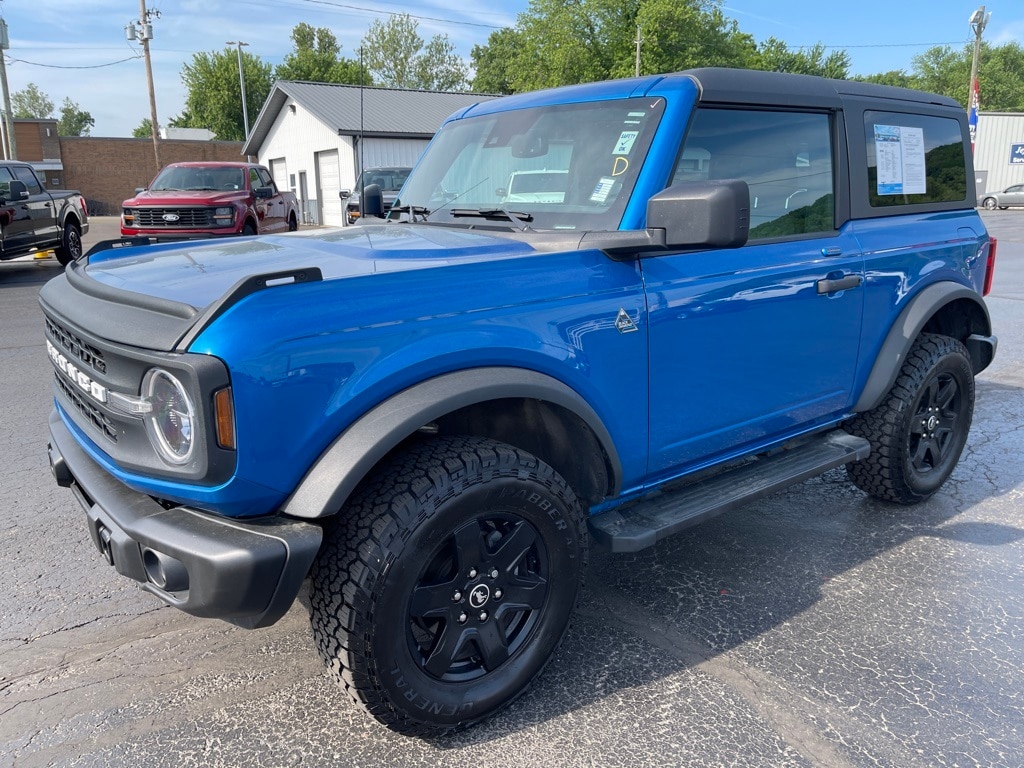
[316,137]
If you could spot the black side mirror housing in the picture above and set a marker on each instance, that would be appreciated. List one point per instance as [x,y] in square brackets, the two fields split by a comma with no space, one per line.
[17,191]
[371,202]
[702,214]
[344,194]
[264,193]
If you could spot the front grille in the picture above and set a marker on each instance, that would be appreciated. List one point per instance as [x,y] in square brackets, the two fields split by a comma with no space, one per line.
[187,218]
[78,349]
[87,409]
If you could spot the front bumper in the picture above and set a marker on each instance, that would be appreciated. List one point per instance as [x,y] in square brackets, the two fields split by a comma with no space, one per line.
[245,572]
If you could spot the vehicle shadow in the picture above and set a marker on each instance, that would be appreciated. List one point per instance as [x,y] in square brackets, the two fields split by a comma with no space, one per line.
[821,559]
[24,272]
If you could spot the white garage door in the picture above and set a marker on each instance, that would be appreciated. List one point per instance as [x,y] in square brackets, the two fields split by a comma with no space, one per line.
[329,183]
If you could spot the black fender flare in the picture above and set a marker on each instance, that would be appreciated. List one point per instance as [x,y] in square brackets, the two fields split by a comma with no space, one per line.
[339,469]
[906,329]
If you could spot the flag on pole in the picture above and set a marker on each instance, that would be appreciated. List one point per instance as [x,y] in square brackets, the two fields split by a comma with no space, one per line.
[972,113]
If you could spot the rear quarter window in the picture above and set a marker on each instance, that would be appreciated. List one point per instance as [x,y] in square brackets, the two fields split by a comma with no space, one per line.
[913,159]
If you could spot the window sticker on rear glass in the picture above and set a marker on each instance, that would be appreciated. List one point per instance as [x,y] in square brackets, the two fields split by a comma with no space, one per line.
[899,153]
[625,143]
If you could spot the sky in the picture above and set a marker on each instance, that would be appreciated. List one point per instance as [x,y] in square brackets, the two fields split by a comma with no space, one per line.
[77,48]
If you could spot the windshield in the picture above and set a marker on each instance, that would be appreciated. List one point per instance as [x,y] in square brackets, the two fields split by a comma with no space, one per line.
[198,178]
[569,166]
[388,179]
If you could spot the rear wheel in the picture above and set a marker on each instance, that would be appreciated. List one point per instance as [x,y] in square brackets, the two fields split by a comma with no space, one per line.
[293,223]
[989,203]
[918,432]
[70,247]
[449,582]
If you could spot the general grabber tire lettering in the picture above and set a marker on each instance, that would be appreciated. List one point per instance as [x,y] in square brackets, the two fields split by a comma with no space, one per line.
[448,582]
[918,432]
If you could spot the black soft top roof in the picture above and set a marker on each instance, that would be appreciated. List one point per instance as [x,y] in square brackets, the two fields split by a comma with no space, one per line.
[719,84]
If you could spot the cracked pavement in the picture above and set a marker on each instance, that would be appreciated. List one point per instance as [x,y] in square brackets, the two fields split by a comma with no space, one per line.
[816,627]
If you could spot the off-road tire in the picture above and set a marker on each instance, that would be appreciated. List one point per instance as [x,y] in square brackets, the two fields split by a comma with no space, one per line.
[490,541]
[919,430]
[70,247]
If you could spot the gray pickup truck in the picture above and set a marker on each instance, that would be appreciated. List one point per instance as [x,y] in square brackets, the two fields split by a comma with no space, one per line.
[33,218]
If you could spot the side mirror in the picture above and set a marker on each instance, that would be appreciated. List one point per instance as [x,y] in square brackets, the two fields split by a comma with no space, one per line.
[17,191]
[344,194]
[263,193]
[702,214]
[140,190]
[371,202]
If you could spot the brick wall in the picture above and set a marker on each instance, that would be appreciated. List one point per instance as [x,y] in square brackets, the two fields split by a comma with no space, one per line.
[107,171]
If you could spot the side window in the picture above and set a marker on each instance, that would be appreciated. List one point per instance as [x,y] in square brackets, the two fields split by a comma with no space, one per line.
[266,180]
[785,158]
[6,177]
[25,174]
[914,159]
[254,179]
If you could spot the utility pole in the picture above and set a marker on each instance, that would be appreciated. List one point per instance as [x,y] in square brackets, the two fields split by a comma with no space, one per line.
[241,80]
[978,21]
[12,145]
[142,30]
[639,40]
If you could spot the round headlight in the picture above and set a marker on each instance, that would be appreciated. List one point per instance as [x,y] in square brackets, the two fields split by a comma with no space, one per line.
[170,424]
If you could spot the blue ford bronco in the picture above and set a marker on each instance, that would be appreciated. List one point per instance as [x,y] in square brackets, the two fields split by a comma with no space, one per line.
[602,312]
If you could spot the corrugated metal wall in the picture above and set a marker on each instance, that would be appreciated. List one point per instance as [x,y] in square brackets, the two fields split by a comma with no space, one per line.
[999,133]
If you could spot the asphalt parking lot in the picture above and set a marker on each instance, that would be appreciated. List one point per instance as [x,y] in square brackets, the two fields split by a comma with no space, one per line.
[816,627]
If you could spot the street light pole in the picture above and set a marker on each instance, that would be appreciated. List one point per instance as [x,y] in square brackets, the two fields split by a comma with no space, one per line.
[241,80]
[978,21]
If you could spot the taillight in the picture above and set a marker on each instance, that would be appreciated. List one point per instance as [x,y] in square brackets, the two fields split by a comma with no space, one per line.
[85,209]
[990,266]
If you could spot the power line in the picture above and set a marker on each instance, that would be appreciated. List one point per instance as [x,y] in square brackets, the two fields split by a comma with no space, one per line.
[66,66]
[401,13]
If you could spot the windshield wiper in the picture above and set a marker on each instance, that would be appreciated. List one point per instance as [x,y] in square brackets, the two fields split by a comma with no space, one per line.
[415,210]
[516,217]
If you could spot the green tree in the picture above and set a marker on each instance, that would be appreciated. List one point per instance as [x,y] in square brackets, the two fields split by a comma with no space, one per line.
[492,63]
[31,102]
[896,77]
[397,57]
[681,35]
[316,58]
[143,130]
[775,56]
[214,98]
[73,121]
[556,42]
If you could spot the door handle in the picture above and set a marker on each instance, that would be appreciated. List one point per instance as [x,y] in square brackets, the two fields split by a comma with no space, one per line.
[840,284]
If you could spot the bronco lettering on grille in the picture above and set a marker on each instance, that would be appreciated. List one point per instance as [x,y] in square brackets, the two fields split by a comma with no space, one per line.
[76,347]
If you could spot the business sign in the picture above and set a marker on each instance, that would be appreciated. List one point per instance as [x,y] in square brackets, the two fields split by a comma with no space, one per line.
[1017,154]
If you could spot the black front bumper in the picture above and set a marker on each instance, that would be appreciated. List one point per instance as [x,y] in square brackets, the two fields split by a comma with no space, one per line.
[245,572]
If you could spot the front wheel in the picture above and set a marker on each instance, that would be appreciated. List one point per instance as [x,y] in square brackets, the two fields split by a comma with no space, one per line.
[918,432]
[249,230]
[448,583]
[70,247]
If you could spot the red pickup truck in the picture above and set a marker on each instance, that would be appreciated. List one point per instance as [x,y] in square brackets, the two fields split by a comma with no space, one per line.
[209,199]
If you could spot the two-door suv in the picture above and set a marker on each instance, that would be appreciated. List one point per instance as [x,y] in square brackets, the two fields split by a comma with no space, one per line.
[719,283]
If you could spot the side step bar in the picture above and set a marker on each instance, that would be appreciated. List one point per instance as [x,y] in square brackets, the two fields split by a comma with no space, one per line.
[642,523]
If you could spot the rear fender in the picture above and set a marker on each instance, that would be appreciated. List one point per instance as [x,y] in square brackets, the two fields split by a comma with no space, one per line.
[975,333]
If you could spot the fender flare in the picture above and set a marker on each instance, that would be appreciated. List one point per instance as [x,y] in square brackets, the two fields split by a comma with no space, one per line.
[339,469]
[920,309]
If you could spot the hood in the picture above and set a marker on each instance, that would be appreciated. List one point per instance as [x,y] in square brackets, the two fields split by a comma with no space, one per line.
[198,273]
[186,197]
